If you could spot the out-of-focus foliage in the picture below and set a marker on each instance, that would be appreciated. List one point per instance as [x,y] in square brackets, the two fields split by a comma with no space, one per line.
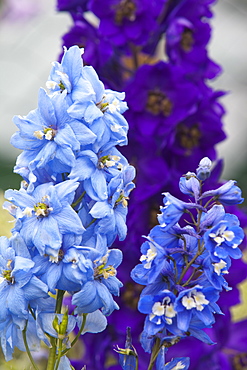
[5,219]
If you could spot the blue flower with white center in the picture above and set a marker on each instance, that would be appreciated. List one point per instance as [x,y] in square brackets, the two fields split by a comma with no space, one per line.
[160,310]
[96,170]
[179,363]
[19,287]
[49,137]
[44,215]
[197,301]
[112,211]
[215,269]
[223,239]
[153,262]
[97,293]
[228,194]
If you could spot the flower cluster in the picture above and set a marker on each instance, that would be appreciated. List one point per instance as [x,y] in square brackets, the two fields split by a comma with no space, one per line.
[70,208]
[184,262]
[157,52]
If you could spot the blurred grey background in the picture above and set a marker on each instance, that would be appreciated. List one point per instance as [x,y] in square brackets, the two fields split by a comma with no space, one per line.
[30,39]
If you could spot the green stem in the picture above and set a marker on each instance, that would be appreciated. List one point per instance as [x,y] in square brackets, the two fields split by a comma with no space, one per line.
[52,355]
[73,205]
[154,355]
[90,223]
[188,266]
[137,363]
[191,276]
[59,353]
[78,334]
[59,303]
[24,334]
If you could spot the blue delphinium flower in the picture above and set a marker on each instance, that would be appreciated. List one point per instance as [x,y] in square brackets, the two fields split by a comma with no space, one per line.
[97,169]
[19,286]
[44,215]
[227,194]
[48,136]
[101,109]
[223,239]
[183,268]
[112,211]
[97,292]
[196,301]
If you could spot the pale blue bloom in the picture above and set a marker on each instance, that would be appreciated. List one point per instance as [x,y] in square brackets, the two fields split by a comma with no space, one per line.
[49,137]
[97,292]
[19,287]
[227,194]
[44,215]
[204,169]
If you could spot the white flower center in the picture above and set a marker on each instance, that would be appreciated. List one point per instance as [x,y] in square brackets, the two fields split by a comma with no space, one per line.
[149,257]
[194,300]
[218,267]
[222,235]
[164,308]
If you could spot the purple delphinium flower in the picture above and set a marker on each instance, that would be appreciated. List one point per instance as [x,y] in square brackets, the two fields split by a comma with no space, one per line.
[72,5]
[127,21]
[187,36]
[158,98]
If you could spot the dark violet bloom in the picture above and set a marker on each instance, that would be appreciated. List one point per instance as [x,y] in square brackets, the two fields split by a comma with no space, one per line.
[224,238]
[44,215]
[127,21]
[19,287]
[158,98]
[97,292]
[195,136]
[228,194]
[186,41]
[98,52]
[199,302]
[71,5]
